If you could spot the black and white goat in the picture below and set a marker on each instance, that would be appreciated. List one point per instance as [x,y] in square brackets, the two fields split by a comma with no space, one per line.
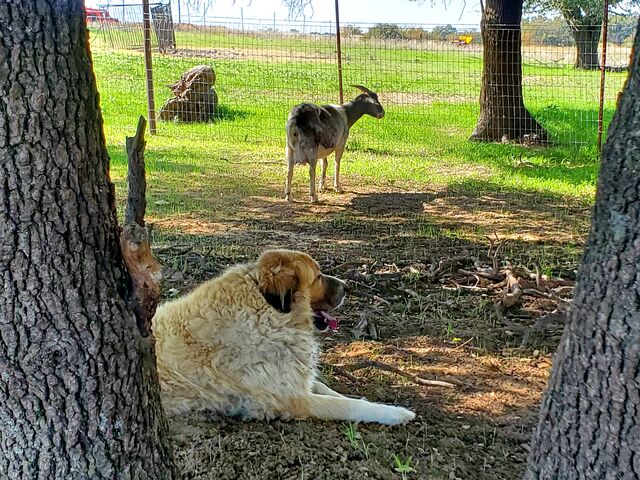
[315,132]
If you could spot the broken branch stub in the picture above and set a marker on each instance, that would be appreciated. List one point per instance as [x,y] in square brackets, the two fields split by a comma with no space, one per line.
[136,179]
[145,271]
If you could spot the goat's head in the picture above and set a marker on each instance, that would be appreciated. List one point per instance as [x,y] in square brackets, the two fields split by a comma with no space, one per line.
[370,100]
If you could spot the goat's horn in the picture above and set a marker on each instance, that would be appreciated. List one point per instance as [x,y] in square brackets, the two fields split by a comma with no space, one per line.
[362,88]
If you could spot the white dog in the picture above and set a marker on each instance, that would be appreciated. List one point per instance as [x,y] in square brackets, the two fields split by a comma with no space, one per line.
[245,344]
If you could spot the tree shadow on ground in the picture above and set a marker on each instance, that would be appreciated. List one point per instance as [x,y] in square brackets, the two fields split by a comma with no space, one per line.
[477,431]
[382,242]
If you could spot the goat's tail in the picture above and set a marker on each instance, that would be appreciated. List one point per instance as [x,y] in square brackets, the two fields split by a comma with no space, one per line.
[304,121]
[293,142]
[307,119]
[292,134]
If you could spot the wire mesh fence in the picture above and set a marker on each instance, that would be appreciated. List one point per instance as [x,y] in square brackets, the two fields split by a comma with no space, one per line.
[252,71]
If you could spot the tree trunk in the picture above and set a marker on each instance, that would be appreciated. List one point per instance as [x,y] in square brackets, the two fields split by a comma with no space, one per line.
[79,396]
[589,425]
[502,111]
[587,38]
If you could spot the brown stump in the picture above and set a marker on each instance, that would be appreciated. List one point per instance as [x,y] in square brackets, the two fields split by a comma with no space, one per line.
[194,98]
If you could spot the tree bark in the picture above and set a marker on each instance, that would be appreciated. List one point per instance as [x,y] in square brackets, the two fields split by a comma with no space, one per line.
[587,38]
[585,28]
[589,425]
[79,396]
[502,111]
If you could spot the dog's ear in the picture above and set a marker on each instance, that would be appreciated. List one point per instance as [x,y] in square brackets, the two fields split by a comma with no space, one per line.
[279,278]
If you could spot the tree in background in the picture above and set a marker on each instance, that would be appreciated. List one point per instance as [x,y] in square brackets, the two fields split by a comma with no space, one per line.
[584,18]
[502,111]
[541,30]
[385,30]
[79,396]
[589,423]
[621,29]
[351,31]
[444,32]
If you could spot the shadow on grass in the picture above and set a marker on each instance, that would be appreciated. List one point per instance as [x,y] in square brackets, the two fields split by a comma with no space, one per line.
[227,113]
[577,167]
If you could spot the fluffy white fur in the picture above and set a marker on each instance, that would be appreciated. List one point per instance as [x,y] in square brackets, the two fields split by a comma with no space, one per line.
[224,348]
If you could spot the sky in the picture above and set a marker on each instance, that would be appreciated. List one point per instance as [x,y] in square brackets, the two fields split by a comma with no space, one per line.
[434,12]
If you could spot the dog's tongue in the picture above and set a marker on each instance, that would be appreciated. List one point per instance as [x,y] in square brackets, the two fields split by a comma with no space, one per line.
[331,322]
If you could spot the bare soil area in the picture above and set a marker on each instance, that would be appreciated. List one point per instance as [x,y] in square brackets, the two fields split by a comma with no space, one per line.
[405,324]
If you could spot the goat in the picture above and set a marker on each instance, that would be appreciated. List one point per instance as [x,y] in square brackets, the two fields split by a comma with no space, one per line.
[317,131]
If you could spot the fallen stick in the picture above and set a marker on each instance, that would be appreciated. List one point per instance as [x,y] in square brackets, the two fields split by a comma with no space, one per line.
[433,273]
[532,292]
[493,253]
[379,299]
[471,288]
[480,273]
[541,325]
[408,291]
[345,264]
[397,371]
[339,371]
[504,320]
[513,290]
[458,347]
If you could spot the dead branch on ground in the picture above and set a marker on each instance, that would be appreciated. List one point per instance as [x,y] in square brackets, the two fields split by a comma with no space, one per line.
[511,287]
[451,383]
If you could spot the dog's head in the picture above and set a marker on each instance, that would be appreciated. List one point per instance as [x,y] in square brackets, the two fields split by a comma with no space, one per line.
[285,273]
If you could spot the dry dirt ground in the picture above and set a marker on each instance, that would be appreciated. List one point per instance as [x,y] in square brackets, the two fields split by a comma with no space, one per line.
[401,322]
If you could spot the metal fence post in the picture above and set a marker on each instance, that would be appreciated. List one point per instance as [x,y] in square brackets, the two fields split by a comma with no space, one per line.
[339,49]
[148,66]
[603,71]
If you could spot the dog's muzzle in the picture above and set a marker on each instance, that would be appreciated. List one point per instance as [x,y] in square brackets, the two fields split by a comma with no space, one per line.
[336,292]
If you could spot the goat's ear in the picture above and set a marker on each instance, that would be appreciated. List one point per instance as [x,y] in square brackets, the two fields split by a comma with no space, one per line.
[362,88]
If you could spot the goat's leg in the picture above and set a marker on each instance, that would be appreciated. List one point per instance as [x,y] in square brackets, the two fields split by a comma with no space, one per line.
[336,174]
[313,197]
[323,179]
[290,164]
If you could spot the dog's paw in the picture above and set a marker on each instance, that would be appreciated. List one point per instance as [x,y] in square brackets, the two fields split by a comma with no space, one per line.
[397,416]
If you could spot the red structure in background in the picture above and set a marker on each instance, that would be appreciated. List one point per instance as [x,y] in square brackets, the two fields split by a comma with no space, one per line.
[99,15]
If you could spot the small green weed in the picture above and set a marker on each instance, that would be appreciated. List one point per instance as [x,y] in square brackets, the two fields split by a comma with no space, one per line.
[355,439]
[403,467]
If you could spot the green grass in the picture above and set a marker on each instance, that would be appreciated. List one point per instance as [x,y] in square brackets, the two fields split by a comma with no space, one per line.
[420,144]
